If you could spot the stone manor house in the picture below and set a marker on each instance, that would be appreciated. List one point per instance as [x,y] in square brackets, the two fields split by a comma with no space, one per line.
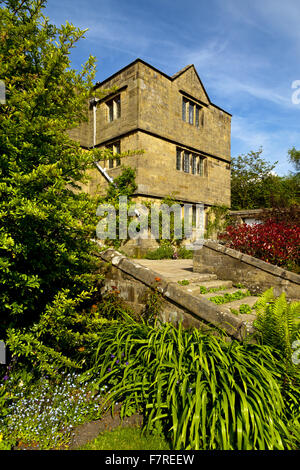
[185,137]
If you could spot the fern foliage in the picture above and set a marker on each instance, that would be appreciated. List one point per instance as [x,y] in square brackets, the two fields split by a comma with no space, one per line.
[277,322]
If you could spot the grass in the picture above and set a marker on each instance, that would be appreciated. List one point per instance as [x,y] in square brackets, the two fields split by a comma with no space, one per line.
[127,438]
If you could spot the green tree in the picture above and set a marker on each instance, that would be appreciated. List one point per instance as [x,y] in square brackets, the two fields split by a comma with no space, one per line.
[46,223]
[294,158]
[254,185]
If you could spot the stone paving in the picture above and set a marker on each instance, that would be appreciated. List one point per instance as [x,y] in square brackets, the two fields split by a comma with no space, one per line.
[173,269]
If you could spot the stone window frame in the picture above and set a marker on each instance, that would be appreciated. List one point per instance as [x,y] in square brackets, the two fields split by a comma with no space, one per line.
[113,108]
[192,112]
[115,147]
[189,162]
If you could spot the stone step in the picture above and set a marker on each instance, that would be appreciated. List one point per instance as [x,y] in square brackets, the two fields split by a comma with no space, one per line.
[246,300]
[200,278]
[222,292]
[216,283]
[194,289]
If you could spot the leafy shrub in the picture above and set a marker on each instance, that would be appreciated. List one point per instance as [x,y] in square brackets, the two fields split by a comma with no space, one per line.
[184,253]
[63,337]
[288,215]
[162,252]
[167,251]
[204,392]
[46,225]
[274,242]
[47,262]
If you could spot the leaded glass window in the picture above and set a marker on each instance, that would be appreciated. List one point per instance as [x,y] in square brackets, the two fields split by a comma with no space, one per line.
[191,113]
[186,162]
[200,166]
[194,164]
[197,115]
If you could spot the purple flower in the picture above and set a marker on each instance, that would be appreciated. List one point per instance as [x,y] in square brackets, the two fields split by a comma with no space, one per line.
[112,356]
[109,369]
[117,361]
[5,377]
[126,363]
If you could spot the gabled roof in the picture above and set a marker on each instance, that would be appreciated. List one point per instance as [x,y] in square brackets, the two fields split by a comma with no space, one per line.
[185,69]
[172,78]
[181,71]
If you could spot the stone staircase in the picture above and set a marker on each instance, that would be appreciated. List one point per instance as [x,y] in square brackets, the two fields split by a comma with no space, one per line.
[233,298]
[236,298]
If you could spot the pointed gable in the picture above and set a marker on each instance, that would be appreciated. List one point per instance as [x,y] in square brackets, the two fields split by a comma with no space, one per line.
[189,82]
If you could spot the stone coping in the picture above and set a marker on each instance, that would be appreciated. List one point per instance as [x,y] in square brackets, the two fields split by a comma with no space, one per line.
[263,265]
[218,315]
[245,212]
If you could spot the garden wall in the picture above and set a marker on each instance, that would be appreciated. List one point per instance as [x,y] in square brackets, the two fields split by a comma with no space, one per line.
[256,275]
[134,281]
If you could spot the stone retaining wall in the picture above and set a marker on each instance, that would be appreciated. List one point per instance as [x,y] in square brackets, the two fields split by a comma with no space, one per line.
[255,274]
[133,281]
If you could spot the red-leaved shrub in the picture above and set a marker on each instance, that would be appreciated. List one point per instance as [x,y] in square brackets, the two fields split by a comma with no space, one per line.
[271,241]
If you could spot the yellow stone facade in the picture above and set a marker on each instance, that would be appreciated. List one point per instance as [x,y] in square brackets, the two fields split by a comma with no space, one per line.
[147,113]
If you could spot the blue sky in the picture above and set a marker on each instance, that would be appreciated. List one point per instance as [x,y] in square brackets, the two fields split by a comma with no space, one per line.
[246,52]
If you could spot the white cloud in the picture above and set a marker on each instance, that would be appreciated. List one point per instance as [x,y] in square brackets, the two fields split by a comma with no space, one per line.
[273,17]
